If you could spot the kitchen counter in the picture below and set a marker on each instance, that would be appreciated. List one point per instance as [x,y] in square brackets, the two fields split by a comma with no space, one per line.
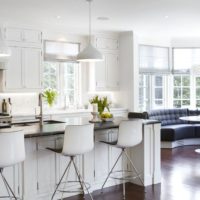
[33,129]
[36,177]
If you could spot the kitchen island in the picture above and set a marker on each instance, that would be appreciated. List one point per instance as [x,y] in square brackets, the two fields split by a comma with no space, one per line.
[36,178]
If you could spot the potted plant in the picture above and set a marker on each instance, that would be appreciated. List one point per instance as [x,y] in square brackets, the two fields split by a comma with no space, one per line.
[50,96]
[101,102]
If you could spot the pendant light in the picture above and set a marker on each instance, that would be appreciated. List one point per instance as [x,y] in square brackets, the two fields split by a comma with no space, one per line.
[90,53]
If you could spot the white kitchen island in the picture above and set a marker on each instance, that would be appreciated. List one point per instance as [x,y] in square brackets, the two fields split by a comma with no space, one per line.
[35,179]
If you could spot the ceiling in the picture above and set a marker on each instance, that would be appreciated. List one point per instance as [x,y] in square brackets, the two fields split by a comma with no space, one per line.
[170,18]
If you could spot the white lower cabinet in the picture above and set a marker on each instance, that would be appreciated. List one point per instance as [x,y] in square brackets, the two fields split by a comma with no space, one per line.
[37,176]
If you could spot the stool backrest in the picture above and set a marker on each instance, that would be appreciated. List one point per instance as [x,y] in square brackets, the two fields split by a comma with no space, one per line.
[12,148]
[130,133]
[78,139]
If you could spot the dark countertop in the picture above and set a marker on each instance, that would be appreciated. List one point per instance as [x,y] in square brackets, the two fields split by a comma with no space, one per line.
[35,130]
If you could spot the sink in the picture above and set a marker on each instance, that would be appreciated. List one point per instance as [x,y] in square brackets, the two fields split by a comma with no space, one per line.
[52,122]
[29,123]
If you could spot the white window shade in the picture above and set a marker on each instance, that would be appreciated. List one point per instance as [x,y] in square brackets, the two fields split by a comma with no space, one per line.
[185,59]
[60,51]
[154,59]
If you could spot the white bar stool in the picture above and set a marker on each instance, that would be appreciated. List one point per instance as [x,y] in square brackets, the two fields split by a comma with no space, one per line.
[12,151]
[129,135]
[78,139]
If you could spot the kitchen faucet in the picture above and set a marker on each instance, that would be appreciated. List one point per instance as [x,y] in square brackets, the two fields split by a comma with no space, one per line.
[40,104]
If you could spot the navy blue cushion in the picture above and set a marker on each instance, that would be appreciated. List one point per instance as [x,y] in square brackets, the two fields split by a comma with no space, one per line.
[197,130]
[169,116]
[177,132]
[193,112]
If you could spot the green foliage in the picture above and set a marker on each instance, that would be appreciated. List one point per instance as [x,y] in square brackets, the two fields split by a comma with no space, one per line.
[101,102]
[50,96]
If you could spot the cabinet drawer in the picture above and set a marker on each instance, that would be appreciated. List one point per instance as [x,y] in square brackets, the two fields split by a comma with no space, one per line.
[22,35]
[32,36]
[107,43]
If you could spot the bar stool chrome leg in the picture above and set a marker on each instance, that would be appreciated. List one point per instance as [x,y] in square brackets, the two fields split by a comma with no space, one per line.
[8,188]
[61,179]
[134,167]
[111,171]
[78,175]
[81,179]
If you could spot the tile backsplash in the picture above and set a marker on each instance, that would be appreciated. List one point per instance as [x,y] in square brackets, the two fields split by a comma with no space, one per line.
[22,103]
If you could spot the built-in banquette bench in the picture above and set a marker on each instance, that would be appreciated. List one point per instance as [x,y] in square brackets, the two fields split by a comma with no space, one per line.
[174,131]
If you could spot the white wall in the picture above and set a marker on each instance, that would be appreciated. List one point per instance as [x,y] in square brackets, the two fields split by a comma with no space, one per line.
[126,69]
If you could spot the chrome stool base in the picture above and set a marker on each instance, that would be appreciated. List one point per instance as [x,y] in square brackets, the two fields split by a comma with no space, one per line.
[83,184]
[124,178]
[10,192]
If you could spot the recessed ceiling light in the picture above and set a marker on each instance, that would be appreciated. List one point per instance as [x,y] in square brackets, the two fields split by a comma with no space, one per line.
[166,16]
[58,17]
[103,18]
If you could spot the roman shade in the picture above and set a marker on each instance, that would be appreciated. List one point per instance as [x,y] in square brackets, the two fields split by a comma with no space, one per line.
[60,51]
[153,59]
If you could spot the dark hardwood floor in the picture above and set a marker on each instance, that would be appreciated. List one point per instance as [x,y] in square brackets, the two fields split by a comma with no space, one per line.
[180,180]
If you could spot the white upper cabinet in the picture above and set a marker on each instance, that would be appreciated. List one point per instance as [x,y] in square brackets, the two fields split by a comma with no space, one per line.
[22,35]
[101,74]
[13,79]
[24,70]
[107,71]
[32,67]
[112,61]
[25,63]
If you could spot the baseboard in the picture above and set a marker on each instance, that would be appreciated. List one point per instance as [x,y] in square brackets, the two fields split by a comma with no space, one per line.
[178,143]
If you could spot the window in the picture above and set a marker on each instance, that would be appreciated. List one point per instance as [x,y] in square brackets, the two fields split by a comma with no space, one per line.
[152,93]
[186,92]
[153,68]
[144,92]
[197,83]
[158,92]
[64,77]
[181,96]
[60,72]
[185,59]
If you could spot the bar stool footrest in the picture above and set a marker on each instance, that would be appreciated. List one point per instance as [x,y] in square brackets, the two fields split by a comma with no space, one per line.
[125,178]
[74,191]
[9,197]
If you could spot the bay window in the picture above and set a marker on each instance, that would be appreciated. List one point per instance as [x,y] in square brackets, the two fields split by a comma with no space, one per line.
[153,69]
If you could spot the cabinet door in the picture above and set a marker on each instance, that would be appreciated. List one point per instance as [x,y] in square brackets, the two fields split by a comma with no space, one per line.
[32,67]
[112,64]
[101,156]
[100,73]
[12,34]
[14,71]
[45,165]
[32,36]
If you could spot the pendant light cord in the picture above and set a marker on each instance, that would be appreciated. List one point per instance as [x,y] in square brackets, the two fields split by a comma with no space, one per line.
[90,22]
